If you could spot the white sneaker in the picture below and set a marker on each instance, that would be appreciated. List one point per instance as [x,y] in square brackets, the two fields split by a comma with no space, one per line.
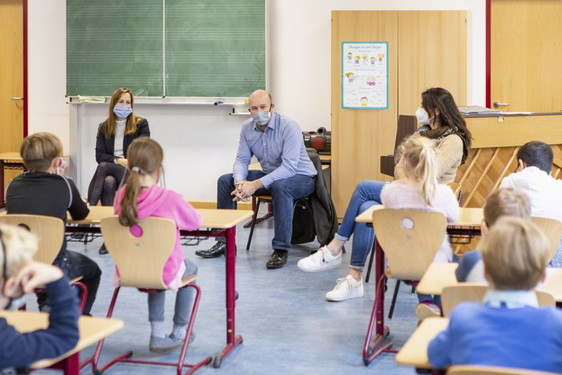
[345,288]
[321,260]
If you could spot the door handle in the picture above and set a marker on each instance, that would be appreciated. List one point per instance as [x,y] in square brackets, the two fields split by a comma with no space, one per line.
[17,98]
[498,104]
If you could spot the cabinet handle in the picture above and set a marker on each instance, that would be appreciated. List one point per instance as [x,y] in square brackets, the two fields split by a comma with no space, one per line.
[17,98]
[498,104]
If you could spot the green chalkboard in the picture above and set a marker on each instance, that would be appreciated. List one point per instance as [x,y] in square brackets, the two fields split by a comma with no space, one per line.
[185,48]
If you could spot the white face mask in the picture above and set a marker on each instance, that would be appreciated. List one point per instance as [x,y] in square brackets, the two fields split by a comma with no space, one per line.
[422,116]
[261,118]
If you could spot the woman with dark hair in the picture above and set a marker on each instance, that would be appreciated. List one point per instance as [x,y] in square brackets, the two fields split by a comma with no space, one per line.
[114,136]
[442,123]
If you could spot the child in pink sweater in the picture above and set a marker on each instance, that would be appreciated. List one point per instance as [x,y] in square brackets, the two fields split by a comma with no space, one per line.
[141,198]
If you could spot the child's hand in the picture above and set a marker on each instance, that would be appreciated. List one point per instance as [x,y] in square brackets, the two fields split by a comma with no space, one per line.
[36,274]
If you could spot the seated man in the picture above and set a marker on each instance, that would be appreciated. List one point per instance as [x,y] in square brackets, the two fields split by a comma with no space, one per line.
[288,173]
[21,275]
[534,162]
[509,329]
[502,202]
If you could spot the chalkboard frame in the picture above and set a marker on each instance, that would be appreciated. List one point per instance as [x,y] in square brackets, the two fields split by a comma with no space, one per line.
[118,67]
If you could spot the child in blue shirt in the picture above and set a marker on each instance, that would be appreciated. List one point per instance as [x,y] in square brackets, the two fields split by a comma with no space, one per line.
[21,275]
[508,329]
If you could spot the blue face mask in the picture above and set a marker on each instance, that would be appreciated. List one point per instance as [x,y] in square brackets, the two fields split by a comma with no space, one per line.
[122,111]
[261,118]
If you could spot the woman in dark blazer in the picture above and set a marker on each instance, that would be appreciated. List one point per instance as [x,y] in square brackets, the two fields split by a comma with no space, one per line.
[114,136]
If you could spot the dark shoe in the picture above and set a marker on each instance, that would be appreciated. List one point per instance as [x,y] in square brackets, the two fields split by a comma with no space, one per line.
[277,260]
[216,251]
[103,249]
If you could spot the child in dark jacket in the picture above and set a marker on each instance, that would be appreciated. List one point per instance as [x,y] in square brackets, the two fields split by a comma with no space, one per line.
[21,275]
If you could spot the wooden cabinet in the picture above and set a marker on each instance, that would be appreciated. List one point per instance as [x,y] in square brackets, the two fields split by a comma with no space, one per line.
[425,49]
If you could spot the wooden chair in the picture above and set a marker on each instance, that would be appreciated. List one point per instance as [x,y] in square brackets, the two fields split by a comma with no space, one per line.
[140,261]
[553,230]
[474,292]
[407,125]
[491,370]
[50,234]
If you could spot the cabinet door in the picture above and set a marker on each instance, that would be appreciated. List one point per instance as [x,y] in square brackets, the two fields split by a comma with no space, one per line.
[526,50]
[432,53]
[360,136]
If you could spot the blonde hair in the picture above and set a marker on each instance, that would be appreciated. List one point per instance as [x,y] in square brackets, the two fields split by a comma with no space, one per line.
[508,201]
[420,163]
[515,253]
[38,151]
[109,125]
[145,156]
[20,246]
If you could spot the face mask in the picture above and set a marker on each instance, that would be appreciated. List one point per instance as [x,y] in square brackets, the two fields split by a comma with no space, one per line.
[261,118]
[422,116]
[122,111]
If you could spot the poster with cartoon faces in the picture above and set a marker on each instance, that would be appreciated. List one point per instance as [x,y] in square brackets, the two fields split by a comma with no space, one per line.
[365,75]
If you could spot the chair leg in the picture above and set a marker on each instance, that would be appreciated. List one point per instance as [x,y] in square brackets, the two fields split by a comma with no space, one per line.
[370,263]
[391,311]
[254,218]
[84,296]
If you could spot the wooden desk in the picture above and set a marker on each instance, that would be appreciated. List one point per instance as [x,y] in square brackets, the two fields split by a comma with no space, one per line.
[468,223]
[91,331]
[225,221]
[441,275]
[8,160]
[414,351]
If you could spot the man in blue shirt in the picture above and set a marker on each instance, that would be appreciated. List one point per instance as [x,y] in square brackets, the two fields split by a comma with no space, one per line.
[287,173]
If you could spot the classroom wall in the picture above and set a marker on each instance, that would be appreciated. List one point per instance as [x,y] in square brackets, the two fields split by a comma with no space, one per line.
[200,142]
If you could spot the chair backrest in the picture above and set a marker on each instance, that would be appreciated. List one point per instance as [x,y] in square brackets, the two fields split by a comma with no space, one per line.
[474,292]
[140,260]
[553,230]
[49,231]
[410,239]
[491,370]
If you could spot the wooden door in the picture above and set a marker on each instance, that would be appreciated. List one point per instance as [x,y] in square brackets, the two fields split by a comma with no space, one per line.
[11,78]
[526,51]
[359,135]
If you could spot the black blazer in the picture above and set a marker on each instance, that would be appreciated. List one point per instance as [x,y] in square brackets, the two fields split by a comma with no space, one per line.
[106,146]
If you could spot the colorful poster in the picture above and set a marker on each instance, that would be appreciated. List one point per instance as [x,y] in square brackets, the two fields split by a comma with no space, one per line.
[364,75]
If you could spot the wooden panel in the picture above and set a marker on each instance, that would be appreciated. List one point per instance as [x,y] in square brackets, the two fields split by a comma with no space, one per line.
[432,50]
[526,50]
[11,79]
[359,137]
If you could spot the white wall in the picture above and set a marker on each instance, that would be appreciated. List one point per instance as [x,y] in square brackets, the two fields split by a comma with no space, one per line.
[200,142]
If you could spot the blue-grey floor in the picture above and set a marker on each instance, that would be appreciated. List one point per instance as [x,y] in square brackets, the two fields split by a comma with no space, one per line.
[287,326]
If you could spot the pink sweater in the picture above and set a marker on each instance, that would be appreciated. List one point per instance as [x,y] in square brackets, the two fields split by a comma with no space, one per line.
[397,195]
[159,202]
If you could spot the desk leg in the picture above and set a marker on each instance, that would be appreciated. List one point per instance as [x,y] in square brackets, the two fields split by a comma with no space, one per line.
[372,348]
[2,201]
[231,339]
[71,365]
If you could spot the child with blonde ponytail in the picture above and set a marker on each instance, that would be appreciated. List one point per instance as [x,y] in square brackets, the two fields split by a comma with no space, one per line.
[140,198]
[420,190]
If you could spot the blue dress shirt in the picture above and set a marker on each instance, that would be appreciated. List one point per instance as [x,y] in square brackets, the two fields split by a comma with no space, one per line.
[279,149]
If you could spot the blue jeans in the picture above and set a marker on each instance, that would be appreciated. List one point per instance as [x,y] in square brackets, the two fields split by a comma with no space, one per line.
[284,192]
[184,300]
[366,194]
